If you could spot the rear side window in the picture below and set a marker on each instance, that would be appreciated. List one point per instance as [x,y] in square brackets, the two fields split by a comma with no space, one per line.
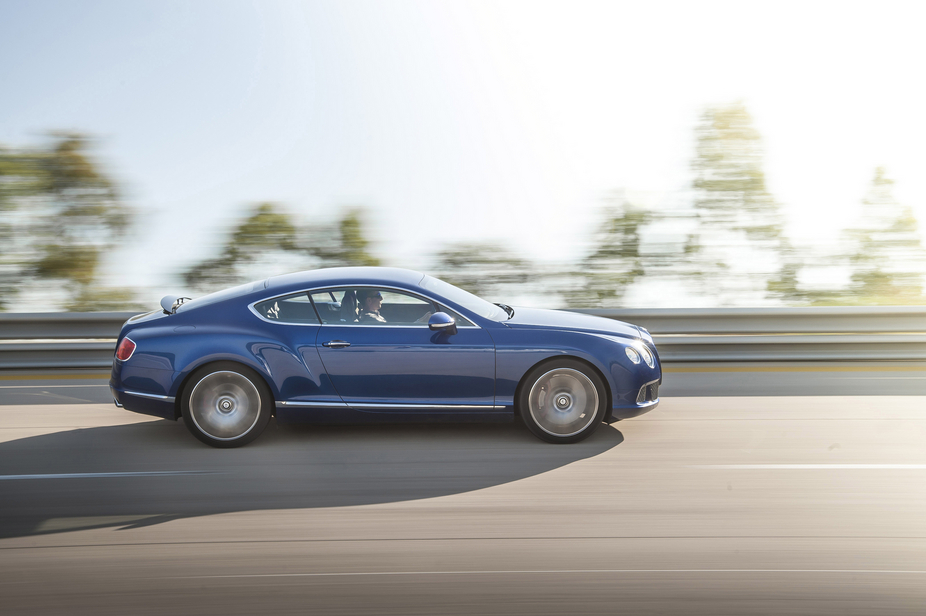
[290,309]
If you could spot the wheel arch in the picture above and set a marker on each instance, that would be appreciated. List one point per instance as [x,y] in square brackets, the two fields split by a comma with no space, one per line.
[178,397]
[585,362]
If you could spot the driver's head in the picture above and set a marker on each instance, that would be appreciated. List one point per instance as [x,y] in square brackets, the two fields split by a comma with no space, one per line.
[370,299]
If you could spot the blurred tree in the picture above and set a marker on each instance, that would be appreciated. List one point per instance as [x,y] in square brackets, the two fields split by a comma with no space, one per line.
[344,245]
[62,215]
[268,239]
[738,246]
[265,230]
[886,255]
[615,261]
[483,269]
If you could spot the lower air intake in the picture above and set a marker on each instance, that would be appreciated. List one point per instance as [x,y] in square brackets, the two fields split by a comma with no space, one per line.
[648,393]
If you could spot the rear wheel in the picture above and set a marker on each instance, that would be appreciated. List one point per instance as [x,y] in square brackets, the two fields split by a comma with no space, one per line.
[226,405]
[562,401]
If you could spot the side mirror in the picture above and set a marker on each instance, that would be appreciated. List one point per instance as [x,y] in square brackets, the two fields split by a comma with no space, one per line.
[442,322]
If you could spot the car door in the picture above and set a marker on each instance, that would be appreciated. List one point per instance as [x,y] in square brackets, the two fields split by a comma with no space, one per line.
[388,360]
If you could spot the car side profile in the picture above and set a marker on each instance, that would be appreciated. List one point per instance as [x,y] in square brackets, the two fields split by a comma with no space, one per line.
[371,344]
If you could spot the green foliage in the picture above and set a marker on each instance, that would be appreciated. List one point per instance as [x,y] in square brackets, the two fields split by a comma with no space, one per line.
[97,299]
[615,262]
[265,229]
[270,233]
[737,250]
[481,268]
[344,245]
[887,256]
[61,214]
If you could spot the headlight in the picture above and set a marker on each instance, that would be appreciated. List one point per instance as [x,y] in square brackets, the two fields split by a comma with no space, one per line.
[647,356]
[632,355]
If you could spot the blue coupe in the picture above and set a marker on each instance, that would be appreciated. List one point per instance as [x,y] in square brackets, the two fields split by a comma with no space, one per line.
[370,344]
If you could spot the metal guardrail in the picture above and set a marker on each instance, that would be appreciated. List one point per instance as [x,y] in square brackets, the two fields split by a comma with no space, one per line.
[839,333]
[87,340]
[53,340]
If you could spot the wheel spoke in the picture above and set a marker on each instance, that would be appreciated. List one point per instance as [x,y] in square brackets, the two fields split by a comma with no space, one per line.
[225,405]
[563,402]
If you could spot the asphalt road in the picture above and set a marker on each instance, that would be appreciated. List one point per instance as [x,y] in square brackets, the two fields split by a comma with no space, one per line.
[730,505]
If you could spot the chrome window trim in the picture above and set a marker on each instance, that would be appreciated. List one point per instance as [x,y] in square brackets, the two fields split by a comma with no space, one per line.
[152,396]
[383,326]
[252,308]
[327,287]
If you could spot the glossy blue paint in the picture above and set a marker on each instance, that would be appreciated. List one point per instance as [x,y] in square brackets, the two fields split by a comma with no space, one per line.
[387,373]
[409,365]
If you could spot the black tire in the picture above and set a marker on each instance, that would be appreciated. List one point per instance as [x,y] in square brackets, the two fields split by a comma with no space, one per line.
[562,401]
[226,405]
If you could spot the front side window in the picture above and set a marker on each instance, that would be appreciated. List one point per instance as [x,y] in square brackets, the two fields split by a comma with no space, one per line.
[294,308]
[372,306]
[464,298]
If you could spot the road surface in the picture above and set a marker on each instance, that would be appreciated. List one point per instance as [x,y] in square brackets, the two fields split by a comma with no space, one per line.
[708,505]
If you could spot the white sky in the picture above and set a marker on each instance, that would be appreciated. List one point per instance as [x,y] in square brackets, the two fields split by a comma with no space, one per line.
[455,121]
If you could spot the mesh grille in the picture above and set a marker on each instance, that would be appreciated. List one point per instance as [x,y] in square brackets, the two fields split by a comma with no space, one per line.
[648,393]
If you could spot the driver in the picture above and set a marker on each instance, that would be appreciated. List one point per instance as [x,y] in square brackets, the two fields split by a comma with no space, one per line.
[370,301]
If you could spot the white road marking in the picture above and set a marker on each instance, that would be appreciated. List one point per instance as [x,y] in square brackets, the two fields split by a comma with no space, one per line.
[93,475]
[788,467]
[48,386]
[550,571]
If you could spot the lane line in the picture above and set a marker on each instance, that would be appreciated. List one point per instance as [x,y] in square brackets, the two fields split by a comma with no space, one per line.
[680,369]
[52,386]
[60,546]
[751,467]
[545,571]
[52,377]
[94,475]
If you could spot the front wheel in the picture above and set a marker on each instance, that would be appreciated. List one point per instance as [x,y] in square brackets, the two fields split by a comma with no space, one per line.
[562,401]
[226,405]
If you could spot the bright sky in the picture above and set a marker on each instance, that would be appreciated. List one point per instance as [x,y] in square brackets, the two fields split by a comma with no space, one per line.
[451,121]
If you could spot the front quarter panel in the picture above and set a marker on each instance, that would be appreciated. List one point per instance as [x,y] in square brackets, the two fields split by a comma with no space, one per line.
[519,350]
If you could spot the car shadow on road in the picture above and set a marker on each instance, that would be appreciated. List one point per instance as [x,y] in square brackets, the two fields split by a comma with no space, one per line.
[287,468]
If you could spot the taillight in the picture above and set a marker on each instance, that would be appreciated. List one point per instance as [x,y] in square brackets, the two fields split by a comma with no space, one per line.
[125,350]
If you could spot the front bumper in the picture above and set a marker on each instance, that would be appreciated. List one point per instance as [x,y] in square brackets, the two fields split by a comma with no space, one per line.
[626,412]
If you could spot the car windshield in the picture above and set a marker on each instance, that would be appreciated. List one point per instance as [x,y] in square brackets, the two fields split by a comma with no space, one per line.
[464,298]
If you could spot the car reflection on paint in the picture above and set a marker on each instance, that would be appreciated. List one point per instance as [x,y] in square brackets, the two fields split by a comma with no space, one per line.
[374,344]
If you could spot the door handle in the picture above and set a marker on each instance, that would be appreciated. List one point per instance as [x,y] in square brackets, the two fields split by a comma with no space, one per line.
[336,344]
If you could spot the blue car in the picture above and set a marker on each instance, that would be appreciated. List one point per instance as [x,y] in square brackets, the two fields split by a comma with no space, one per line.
[371,344]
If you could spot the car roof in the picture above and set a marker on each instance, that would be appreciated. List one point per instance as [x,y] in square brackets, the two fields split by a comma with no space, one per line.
[342,276]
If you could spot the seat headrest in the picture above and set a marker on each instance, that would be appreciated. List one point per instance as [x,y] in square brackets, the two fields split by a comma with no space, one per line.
[349,306]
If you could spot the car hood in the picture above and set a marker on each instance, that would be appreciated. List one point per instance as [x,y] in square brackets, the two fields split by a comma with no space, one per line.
[564,320]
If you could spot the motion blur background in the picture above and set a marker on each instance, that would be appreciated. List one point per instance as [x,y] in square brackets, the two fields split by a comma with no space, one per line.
[543,153]
[698,168]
